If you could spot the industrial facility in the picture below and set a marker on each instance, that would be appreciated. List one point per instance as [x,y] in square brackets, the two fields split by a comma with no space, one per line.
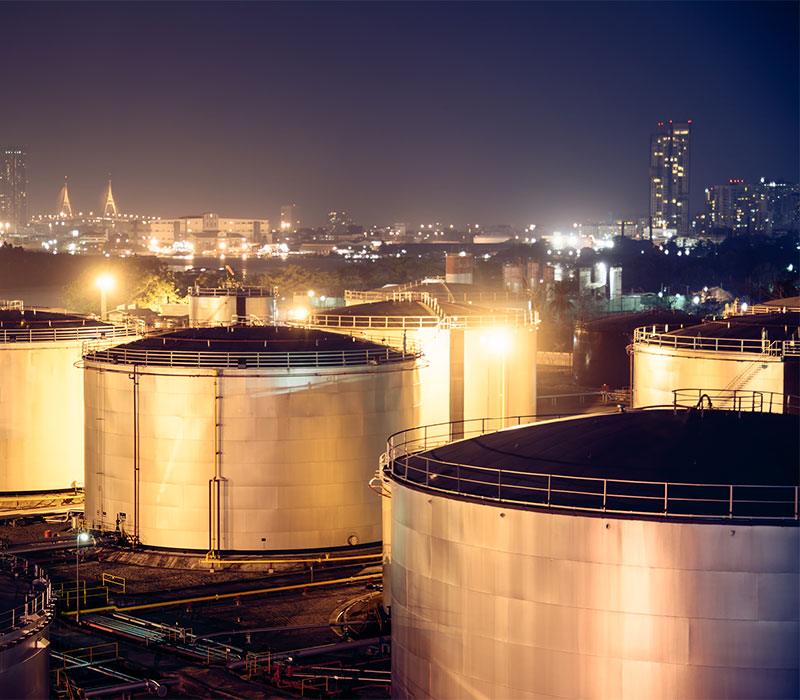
[41,395]
[748,352]
[642,554]
[242,438]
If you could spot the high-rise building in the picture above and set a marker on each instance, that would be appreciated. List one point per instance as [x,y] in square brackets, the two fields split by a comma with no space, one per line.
[289,218]
[669,177]
[13,187]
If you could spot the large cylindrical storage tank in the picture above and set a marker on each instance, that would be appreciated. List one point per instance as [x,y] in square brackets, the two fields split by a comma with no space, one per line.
[599,348]
[242,438]
[609,556]
[750,353]
[41,396]
[223,306]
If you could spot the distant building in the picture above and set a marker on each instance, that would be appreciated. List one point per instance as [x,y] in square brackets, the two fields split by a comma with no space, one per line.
[762,207]
[208,231]
[669,177]
[289,218]
[13,187]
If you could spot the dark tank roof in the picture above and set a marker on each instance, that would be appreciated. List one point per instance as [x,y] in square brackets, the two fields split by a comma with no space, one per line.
[390,307]
[646,463]
[34,319]
[748,327]
[250,339]
[243,347]
[649,445]
[628,322]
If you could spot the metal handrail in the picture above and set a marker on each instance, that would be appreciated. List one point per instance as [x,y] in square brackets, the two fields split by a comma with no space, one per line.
[404,461]
[747,400]
[12,304]
[250,360]
[516,317]
[233,290]
[77,333]
[35,606]
[661,337]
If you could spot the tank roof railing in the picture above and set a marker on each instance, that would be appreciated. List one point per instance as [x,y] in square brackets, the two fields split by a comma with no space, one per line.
[404,462]
[740,400]
[232,290]
[78,333]
[249,359]
[38,607]
[661,337]
[404,292]
[763,309]
[366,322]
[12,305]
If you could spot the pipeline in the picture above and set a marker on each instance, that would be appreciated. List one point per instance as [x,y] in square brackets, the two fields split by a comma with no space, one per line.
[158,688]
[291,656]
[221,596]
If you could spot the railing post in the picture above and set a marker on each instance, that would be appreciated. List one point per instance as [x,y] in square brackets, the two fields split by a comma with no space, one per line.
[549,477]
[730,501]
[605,491]
[666,507]
[796,489]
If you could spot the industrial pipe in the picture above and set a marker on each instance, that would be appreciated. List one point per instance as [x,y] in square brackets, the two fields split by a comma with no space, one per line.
[316,651]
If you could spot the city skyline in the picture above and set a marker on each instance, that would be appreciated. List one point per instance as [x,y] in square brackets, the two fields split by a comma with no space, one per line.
[395,112]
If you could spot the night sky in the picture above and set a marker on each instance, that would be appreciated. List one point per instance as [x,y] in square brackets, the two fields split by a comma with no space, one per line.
[494,113]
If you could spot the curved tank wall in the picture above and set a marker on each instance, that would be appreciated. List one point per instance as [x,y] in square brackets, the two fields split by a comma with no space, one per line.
[498,600]
[296,448]
[41,398]
[599,348]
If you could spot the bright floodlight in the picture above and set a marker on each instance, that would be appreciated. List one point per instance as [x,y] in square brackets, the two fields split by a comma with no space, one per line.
[105,282]
[83,537]
[498,342]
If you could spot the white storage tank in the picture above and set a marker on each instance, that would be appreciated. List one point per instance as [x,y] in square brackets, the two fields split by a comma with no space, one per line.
[242,438]
[41,396]
[224,306]
[478,361]
[646,554]
[755,352]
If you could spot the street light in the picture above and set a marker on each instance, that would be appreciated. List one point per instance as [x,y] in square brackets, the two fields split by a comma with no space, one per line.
[83,538]
[105,282]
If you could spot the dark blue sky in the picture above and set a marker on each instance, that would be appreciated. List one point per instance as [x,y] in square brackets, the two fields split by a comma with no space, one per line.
[500,112]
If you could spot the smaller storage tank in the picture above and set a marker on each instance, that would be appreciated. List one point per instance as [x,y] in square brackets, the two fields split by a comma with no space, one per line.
[477,361]
[242,438]
[753,352]
[599,349]
[41,396]
[224,306]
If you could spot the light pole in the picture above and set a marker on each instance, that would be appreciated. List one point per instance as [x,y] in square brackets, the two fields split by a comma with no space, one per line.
[105,283]
[83,538]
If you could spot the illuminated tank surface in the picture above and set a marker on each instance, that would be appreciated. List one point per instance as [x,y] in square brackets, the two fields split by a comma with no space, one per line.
[650,554]
[41,397]
[242,438]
